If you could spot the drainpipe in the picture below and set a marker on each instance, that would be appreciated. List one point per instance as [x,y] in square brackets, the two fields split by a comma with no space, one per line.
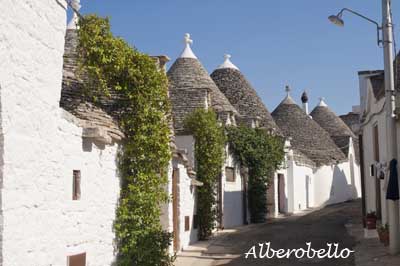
[393,205]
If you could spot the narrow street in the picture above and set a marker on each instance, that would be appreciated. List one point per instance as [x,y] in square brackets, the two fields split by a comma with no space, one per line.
[319,227]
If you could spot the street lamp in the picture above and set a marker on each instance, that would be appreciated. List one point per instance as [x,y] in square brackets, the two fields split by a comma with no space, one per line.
[338,21]
[387,42]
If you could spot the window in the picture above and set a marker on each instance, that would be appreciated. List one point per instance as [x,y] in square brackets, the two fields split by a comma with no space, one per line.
[76,185]
[230,174]
[372,170]
[195,221]
[187,223]
[77,260]
[375,136]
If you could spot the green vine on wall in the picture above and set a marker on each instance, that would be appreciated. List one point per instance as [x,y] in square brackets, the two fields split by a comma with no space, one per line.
[262,154]
[209,153]
[113,67]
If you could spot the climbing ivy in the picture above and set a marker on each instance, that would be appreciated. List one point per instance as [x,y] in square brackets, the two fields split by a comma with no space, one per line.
[262,154]
[209,153]
[112,67]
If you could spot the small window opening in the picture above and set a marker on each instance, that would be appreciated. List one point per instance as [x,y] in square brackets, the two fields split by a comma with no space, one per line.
[76,185]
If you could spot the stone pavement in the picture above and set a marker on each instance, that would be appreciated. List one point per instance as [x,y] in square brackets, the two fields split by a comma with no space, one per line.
[369,251]
[222,248]
[340,223]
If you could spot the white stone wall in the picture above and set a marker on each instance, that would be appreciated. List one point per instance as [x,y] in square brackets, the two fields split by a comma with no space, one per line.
[303,189]
[334,184]
[42,224]
[233,194]
[187,207]
[370,181]
[187,193]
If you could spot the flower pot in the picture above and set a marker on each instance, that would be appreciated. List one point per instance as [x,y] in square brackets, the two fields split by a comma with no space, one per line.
[384,237]
[371,222]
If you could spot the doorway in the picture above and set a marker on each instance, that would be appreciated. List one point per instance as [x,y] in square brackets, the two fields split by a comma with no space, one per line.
[281,193]
[308,182]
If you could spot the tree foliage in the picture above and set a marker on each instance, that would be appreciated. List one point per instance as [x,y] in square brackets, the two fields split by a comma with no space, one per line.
[262,154]
[209,153]
[113,67]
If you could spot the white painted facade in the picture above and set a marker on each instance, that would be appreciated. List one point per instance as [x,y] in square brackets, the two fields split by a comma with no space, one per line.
[186,198]
[232,200]
[308,186]
[373,113]
[42,145]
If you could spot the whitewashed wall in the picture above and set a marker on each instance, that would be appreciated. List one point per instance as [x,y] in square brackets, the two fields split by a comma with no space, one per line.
[334,184]
[42,225]
[374,116]
[233,194]
[187,193]
[187,207]
[300,180]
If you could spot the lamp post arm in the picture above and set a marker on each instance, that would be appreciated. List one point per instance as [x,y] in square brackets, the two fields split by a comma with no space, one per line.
[360,15]
[378,27]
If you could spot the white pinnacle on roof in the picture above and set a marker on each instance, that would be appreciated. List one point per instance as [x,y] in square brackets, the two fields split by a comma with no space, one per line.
[288,99]
[187,52]
[73,24]
[322,102]
[227,63]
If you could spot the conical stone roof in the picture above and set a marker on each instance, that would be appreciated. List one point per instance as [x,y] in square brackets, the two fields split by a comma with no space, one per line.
[306,135]
[188,83]
[242,95]
[73,98]
[335,126]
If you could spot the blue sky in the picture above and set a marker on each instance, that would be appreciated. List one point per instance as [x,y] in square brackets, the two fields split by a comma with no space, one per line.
[274,43]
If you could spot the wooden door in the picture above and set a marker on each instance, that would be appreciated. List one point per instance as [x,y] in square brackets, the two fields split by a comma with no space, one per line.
[281,193]
[175,208]
[220,192]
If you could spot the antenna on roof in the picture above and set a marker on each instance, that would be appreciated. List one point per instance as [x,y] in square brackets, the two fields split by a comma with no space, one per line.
[187,52]
[73,23]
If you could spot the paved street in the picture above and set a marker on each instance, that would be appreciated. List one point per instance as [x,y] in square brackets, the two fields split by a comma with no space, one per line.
[319,227]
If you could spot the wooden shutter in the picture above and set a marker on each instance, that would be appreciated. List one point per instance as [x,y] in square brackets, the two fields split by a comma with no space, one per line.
[376,143]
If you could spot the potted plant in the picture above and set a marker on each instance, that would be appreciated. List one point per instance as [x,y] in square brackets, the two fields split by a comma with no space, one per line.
[371,220]
[383,232]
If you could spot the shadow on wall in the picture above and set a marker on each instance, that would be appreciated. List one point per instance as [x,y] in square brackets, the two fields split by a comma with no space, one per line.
[341,190]
[233,209]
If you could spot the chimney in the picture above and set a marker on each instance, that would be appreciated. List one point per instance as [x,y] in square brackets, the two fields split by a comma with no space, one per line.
[304,100]
[161,61]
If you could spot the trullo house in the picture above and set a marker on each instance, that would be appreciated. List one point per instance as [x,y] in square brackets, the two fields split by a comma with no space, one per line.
[190,88]
[345,139]
[318,164]
[253,112]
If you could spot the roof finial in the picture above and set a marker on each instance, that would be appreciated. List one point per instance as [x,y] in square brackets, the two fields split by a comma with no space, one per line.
[187,52]
[187,39]
[287,89]
[73,23]
[227,63]
[322,102]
